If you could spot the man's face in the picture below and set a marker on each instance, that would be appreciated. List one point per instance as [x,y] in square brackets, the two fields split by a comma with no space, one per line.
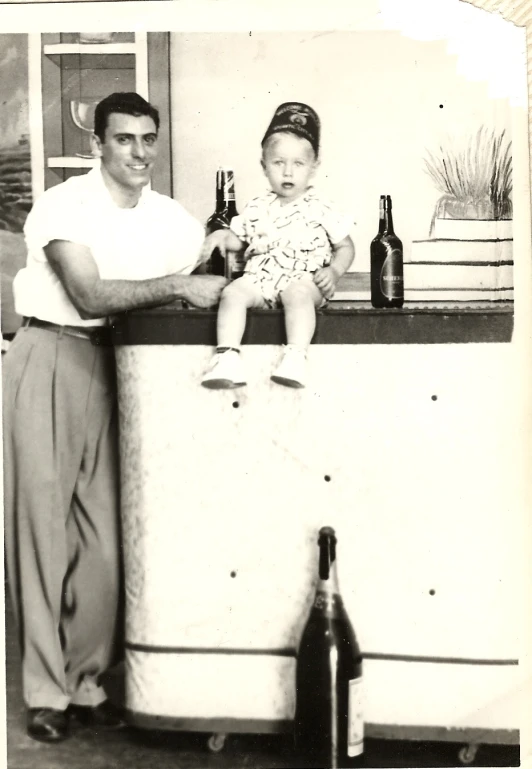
[129,150]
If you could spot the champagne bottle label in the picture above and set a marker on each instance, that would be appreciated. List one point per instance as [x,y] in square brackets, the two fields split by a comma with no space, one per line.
[391,278]
[355,719]
[325,602]
[328,603]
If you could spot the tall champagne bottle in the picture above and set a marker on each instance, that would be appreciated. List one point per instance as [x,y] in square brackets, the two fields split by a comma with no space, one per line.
[387,288]
[328,724]
[221,219]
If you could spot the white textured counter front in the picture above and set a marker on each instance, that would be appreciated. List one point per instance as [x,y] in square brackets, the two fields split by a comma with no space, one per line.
[223,494]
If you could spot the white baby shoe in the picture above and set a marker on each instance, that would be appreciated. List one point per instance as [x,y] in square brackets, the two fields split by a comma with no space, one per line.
[292,370]
[225,371]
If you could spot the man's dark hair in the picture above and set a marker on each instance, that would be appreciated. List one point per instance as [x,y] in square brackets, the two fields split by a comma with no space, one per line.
[126,104]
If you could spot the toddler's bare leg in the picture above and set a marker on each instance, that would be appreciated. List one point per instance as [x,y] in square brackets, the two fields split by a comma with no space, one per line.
[300,300]
[239,296]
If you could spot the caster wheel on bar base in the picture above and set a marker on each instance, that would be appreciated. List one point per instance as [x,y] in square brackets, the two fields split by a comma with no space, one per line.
[468,753]
[216,742]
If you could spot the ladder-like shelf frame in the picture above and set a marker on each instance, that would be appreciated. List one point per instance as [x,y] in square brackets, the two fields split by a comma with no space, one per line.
[138,48]
[71,162]
[63,49]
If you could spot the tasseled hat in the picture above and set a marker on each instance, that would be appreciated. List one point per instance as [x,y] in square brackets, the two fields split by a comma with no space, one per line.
[297,118]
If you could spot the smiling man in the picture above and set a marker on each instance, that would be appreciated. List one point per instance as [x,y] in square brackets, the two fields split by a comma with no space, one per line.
[98,244]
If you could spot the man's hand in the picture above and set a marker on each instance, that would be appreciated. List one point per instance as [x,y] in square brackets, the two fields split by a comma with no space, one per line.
[326,279]
[217,239]
[260,244]
[225,240]
[202,291]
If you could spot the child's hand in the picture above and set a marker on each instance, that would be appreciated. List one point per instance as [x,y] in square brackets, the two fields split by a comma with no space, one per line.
[217,239]
[326,279]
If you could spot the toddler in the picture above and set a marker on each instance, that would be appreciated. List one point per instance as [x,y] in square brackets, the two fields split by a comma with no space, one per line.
[296,249]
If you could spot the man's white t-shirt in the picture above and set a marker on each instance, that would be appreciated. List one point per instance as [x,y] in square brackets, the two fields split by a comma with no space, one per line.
[155,238]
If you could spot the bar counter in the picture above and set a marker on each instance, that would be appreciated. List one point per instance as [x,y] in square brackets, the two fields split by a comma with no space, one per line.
[400,442]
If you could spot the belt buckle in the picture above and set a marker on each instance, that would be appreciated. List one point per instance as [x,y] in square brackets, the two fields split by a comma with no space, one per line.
[100,337]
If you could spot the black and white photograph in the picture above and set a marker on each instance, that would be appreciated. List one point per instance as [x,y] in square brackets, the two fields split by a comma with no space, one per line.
[266,312]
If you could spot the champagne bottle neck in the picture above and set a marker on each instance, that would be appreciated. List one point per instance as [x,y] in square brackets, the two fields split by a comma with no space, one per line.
[327,572]
[330,585]
[327,599]
[328,602]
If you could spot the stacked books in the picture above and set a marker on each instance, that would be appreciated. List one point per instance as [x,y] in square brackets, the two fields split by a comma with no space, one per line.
[473,229]
[462,263]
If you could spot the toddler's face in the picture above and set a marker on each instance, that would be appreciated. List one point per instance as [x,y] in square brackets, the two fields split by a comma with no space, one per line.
[289,163]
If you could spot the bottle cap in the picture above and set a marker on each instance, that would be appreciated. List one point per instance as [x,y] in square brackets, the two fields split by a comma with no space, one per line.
[327,531]
[327,545]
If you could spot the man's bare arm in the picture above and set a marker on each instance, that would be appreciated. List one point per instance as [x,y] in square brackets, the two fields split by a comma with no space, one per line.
[94,297]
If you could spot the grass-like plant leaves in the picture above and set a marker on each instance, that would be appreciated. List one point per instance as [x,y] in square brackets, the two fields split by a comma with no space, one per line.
[477,172]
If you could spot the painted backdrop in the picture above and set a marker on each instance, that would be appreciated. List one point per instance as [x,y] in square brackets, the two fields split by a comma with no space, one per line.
[15,169]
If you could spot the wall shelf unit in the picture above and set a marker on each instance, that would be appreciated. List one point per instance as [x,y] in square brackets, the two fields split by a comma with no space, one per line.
[71,162]
[69,76]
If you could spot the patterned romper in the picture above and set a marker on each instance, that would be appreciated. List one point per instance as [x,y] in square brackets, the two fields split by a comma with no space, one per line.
[287,242]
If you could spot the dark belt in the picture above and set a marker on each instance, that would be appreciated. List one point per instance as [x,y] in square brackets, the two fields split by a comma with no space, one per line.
[97,335]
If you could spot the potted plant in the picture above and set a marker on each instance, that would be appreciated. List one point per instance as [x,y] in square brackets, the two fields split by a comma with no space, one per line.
[475,180]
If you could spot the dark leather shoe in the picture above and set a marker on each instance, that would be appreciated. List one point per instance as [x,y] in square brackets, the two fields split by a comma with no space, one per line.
[47,724]
[106,715]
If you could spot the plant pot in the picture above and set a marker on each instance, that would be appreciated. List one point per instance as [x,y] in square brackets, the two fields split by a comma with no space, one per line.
[470,219]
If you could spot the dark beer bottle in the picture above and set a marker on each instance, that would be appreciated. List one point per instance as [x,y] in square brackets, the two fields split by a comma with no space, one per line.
[387,289]
[221,219]
[328,723]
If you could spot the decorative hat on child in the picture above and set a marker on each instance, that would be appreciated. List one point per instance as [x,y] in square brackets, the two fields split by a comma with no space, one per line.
[297,118]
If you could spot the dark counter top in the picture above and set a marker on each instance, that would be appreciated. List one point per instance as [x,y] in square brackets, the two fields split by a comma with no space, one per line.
[355,322]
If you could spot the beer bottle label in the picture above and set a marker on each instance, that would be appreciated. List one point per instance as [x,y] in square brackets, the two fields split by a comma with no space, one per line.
[229,186]
[355,719]
[391,280]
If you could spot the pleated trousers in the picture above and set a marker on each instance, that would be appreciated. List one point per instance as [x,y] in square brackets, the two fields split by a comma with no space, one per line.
[61,512]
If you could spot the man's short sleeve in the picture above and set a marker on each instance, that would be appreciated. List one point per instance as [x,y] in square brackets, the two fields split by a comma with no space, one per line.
[184,234]
[59,214]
